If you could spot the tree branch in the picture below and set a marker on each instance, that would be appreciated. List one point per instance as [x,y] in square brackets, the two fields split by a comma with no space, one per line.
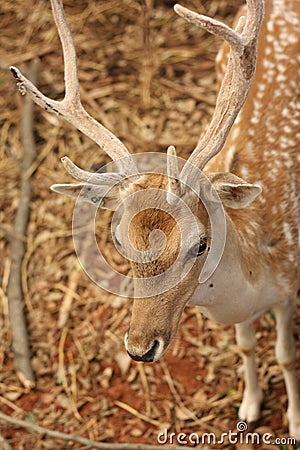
[20,344]
[82,440]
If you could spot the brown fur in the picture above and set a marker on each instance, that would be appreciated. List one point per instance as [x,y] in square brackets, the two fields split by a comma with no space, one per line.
[263,147]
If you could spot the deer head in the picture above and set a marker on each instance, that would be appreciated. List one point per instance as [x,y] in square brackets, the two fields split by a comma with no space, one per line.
[166,226]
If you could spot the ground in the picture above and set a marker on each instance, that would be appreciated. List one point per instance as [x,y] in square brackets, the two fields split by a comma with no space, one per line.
[149,77]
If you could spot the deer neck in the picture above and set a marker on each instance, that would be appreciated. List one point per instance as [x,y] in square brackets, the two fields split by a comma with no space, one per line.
[233,291]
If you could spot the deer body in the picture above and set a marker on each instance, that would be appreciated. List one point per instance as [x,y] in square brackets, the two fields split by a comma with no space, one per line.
[263,148]
[253,182]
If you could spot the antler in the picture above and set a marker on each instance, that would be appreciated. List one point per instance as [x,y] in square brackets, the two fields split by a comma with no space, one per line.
[237,79]
[174,185]
[70,108]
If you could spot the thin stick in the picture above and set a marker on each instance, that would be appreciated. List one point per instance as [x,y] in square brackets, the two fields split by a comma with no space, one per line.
[146,389]
[177,398]
[82,440]
[10,405]
[66,306]
[147,59]
[138,414]
[20,344]
[62,372]
[4,445]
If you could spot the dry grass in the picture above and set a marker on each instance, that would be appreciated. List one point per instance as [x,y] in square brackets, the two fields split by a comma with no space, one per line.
[149,77]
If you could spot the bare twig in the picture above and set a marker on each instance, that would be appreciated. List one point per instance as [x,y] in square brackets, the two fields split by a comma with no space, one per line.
[136,413]
[82,440]
[62,373]
[66,306]
[4,445]
[20,344]
[146,389]
[147,59]
[177,398]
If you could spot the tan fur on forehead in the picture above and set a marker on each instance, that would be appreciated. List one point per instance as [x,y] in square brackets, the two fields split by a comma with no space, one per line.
[157,181]
[145,219]
[144,181]
[140,229]
[153,219]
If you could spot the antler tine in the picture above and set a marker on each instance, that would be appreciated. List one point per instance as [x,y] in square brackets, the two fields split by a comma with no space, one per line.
[237,79]
[211,25]
[70,108]
[99,179]
[174,184]
[72,89]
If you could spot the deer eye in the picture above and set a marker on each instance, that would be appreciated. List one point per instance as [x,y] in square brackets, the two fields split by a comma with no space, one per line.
[199,248]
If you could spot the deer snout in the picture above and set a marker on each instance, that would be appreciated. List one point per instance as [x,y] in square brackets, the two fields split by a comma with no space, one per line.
[148,351]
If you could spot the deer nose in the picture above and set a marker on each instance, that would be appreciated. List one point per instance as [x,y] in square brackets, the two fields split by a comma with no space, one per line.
[153,353]
[149,355]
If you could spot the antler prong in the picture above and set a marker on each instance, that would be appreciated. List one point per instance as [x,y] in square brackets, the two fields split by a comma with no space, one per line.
[26,87]
[174,184]
[236,81]
[72,89]
[98,179]
[212,26]
[70,108]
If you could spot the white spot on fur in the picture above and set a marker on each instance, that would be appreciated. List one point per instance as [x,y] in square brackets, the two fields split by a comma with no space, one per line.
[287,129]
[287,232]
[281,78]
[244,172]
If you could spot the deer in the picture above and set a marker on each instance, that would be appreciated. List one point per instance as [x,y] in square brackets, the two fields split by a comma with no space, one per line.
[246,165]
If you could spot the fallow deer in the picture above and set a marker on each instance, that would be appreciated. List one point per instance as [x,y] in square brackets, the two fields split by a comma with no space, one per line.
[254,180]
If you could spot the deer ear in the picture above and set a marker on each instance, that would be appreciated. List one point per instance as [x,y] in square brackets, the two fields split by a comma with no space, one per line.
[99,196]
[233,191]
